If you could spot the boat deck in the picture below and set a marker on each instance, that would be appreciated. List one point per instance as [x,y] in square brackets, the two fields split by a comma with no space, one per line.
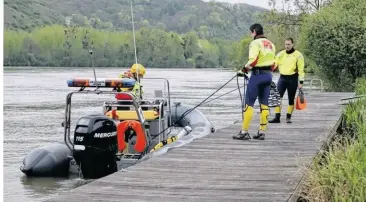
[218,168]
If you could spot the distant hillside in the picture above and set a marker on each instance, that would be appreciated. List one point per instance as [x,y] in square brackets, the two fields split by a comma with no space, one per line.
[208,19]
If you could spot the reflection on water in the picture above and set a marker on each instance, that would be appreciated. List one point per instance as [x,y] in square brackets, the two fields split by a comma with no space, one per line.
[45,187]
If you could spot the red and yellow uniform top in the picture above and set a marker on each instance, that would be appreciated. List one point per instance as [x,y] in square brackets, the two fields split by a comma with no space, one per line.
[262,53]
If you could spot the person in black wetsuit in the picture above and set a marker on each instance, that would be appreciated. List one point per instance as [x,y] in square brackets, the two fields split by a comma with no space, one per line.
[290,63]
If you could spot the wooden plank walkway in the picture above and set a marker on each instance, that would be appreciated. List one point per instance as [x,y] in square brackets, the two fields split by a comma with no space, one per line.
[218,168]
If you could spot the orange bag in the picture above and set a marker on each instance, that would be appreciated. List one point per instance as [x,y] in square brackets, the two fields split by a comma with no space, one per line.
[300,100]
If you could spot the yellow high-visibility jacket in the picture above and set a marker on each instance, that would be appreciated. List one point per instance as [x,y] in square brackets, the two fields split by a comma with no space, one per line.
[289,64]
[136,90]
[262,53]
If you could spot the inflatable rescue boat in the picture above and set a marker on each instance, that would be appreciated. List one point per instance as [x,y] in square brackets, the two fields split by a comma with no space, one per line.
[128,131]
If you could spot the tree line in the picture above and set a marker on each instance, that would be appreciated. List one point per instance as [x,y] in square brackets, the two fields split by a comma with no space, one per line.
[57,45]
[208,19]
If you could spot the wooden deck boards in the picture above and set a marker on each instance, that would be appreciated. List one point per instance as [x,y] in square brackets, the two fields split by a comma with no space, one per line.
[218,168]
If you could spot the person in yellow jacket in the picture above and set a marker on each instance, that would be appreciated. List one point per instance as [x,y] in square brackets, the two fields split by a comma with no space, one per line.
[137,71]
[262,54]
[290,63]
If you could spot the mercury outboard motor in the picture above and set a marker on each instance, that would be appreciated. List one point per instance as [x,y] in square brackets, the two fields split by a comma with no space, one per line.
[95,146]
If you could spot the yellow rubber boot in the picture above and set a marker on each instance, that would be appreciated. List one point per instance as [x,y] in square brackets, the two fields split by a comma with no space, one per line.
[290,109]
[278,110]
[263,123]
[264,117]
[248,115]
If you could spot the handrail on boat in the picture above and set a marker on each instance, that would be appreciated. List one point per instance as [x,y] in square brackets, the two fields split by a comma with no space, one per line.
[168,86]
[67,121]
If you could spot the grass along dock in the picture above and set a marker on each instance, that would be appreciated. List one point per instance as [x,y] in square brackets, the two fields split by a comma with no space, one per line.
[218,168]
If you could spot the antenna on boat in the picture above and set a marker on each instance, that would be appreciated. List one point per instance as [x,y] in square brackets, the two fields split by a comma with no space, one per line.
[133,31]
[68,21]
[134,41]
[92,61]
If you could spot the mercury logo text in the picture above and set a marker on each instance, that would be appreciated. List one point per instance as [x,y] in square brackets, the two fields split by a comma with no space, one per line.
[104,135]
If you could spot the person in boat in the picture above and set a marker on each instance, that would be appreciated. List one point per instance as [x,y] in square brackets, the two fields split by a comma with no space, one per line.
[126,74]
[261,63]
[290,63]
[136,72]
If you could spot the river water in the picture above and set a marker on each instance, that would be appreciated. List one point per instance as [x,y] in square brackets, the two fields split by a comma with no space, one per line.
[34,107]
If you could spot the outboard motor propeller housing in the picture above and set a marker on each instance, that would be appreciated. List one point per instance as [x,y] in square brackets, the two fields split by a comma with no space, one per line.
[95,146]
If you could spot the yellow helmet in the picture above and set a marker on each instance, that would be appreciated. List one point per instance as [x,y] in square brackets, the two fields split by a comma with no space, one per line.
[138,68]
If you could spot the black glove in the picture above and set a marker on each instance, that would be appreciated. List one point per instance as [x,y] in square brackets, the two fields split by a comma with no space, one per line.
[242,74]
[242,71]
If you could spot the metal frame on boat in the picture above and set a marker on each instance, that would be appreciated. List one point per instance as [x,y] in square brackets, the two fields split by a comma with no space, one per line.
[159,133]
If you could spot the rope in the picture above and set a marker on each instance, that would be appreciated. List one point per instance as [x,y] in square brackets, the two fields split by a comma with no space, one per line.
[190,110]
[225,94]
[242,98]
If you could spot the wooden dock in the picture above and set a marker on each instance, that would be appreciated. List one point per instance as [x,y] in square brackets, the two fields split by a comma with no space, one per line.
[218,168]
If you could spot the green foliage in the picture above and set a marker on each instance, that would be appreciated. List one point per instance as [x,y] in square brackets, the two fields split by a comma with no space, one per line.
[240,53]
[340,175]
[57,45]
[334,39]
[225,49]
[361,86]
[210,53]
[181,16]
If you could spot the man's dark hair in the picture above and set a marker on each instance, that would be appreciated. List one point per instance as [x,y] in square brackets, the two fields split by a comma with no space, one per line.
[290,39]
[257,27]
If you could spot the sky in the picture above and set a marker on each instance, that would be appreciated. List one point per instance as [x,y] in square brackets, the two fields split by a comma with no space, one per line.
[261,3]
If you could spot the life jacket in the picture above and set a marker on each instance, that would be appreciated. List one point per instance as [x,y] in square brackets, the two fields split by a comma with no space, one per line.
[141,139]
[136,91]
[127,74]
[122,96]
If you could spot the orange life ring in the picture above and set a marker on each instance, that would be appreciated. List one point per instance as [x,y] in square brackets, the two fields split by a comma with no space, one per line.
[141,140]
